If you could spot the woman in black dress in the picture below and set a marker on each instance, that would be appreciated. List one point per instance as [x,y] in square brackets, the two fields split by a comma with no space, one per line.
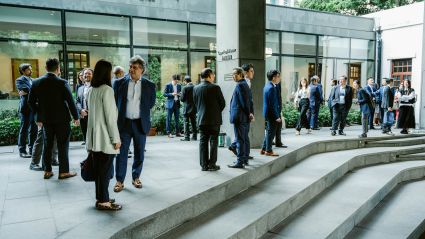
[407,99]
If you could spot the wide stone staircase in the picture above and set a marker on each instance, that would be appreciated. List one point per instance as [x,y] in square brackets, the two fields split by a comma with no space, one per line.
[326,189]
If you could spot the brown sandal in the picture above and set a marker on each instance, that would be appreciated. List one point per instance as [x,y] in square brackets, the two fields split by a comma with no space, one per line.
[110,200]
[109,207]
[137,183]
[48,175]
[118,187]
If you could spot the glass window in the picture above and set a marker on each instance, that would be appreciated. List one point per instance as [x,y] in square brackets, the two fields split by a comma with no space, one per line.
[162,64]
[298,44]
[272,43]
[15,53]
[272,62]
[80,57]
[293,69]
[30,24]
[330,46]
[199,61]
[97,28]
[362,49]
[203,37]
[159,33]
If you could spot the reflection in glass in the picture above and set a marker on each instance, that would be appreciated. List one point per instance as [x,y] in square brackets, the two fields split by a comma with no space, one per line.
[298,44]
[330,46]
[293,69]
[97,28]
[362,49]
[30,24]
[199,61]
[159,33]
[203,37]
[272,42]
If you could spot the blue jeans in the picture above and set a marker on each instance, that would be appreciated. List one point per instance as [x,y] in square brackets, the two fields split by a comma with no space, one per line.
[131,130]
[388,120]
[170,112]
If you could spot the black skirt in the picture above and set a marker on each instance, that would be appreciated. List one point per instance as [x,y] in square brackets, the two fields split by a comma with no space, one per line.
[406,117]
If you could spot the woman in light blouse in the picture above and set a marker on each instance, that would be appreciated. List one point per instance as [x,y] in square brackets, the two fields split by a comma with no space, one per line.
[302,102]
[103,139]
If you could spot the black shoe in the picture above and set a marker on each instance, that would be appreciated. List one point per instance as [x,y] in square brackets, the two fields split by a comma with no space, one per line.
[36,167]
[250,157]
[246,163]
[281,146]
[341,132]
[316,128]
[213,168]
[84,143]
[25,155]
[55,163]
[204,169]
[193,139]
[233,150]
[404,132]
[235,165]
[333,133]
[372,128]
[185,139]
[363,136]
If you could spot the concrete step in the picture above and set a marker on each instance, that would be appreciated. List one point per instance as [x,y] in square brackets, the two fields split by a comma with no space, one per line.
[191,200]
[253,212]
[400,215]
[418,156]
[335,213]
[399,142]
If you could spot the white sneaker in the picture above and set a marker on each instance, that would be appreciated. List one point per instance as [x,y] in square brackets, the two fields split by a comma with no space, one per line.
[309,131]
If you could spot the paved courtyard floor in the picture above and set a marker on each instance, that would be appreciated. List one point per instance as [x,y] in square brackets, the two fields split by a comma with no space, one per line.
[31,207]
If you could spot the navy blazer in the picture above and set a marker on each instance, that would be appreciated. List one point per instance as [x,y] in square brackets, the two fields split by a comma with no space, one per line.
[240,104]
[314,95]
[387,97]
[270,102]
[168,93]
[320,87]
[147,101]
[371,90]
[51,99]
[23,83]
[365,101]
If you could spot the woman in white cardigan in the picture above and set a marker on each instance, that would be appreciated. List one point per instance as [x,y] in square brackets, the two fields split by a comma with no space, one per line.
[103,138]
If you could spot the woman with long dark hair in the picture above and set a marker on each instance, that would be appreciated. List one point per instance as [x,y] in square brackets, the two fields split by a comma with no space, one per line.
[103,138]
[406,115]
[302,102]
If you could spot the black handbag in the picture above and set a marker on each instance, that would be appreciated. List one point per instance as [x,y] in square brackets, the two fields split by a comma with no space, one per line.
[87,168]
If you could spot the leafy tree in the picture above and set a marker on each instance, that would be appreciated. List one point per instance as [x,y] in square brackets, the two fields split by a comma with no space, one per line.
[154,70]
[353,7]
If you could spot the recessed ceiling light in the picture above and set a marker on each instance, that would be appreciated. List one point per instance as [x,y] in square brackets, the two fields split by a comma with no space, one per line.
[95,35]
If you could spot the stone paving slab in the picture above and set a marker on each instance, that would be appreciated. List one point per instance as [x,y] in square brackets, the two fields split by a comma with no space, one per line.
[171,172]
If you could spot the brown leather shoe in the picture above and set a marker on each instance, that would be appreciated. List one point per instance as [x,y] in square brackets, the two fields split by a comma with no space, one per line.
[271,153]
[67,175]
[137,183]
[48,175]
[119,186]
[262,152]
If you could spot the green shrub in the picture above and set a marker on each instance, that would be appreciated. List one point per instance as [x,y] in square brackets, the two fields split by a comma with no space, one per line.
[159,115]
[9,131]
[14,114]
[291,115]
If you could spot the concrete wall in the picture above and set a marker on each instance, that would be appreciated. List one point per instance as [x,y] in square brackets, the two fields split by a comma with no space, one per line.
[403,37]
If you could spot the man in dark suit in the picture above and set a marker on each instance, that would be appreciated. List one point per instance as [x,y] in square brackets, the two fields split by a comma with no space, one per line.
[135,97]
[371,90]
[173,92]
[52,101]
[240,110]
[248,71]
[271,111]
[365,102]
[387,106]
[189,110]
[315,100]
[318,103]
[209,103]
[28,128]
[342,99]
[82,101]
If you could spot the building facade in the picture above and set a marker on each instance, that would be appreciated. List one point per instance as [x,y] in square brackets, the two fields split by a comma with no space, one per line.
[401,32]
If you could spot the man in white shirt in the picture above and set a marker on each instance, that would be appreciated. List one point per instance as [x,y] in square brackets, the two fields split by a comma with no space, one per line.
[82,101]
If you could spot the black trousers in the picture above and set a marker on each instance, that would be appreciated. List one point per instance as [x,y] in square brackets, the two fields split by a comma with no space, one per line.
[102,167]
[62,132]
[278,138]
[303,119]
[27,130]
[271,126]
[190,120]
[83,125]
[208,145]
[339,117]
